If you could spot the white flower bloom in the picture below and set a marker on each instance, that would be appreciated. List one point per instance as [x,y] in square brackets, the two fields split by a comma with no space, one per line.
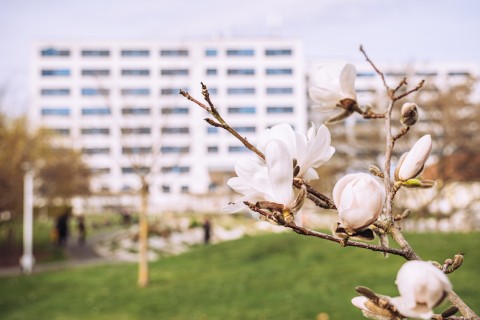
[332,84]
[359,199]
[257,182]
[411,163]
[310,151]
[422,287]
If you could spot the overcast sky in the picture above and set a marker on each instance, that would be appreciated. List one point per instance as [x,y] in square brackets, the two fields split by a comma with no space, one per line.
[390,30]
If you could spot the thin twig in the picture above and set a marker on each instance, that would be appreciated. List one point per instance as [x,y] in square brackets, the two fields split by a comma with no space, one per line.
[321,235]
[401,133]
[376,69]
[418,87]
[402,83]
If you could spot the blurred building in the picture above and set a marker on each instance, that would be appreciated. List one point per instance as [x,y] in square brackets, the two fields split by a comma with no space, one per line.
[119,104]
[360,142]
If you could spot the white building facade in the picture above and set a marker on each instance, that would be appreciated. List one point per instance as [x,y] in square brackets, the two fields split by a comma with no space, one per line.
[119,104]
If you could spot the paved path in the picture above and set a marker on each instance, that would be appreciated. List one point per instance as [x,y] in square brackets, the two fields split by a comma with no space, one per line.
[77,255]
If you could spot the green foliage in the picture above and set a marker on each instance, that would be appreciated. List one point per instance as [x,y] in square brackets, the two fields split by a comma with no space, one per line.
[281,276]
[60,172]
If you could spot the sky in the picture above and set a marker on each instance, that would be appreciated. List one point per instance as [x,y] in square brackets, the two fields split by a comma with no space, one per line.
[390,30]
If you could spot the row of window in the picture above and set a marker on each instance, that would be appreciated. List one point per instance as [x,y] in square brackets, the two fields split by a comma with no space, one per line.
[209,52]
[163,150]
[163,91]
[418,73]
[147,131]
[145,111]
[164,72]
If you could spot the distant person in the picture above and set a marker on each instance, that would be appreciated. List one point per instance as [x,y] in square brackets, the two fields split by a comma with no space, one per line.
[62,228]
[126,217]
[82,230]
[207,229]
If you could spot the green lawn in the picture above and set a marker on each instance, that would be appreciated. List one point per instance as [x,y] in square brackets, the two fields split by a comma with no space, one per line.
[277,276]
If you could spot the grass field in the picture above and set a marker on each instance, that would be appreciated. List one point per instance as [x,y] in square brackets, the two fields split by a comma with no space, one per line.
[277,276]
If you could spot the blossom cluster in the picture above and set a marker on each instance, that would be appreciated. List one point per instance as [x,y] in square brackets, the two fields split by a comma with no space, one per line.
[358,197]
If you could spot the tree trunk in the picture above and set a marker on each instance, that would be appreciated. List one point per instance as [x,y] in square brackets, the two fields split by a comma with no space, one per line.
[143,238]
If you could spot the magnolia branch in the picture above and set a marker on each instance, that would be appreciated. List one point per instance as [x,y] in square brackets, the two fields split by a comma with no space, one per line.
[316,234]
[316,197]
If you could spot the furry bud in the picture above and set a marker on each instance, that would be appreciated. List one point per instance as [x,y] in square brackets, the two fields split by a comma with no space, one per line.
[409,114]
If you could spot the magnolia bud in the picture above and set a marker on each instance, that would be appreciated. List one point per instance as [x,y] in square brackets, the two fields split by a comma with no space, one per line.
[422,287]
[359,199]
[411,163]
[409,114]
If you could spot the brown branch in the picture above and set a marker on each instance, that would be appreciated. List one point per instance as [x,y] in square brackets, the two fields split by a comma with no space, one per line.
[400,134]
[380,73]
[402,83]
[373,115]
[316,197]
[321,235]
[418,87]
[189,97]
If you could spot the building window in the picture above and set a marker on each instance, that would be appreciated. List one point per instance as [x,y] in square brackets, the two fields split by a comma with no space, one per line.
[137,170]
[366,74]
[174,72]
[235,91]
[55,72]
[62,131]
[212,149]
[95,131]
[52,52]
[95,92]
[175,130]
[60,112]
[236,149]
[102,111]
[55,92]
[135,72]
[459,74]
[135,92]
[212,130]
[175,149]
[240,52]
[100,170]
[138,130]
[426,73]
[95,72]
[280,90]
[211,72]
[165,188]
[245,129]
[176,169]
[184,189]
[278,52]
[136,150]
[95,151]
[175,110]
[95,53]
[279,71]
[135,53]
[171,91]
[136,111]
[174,53]
[242,110]
[395,74]
[241,72]
[279,109]
[211,52]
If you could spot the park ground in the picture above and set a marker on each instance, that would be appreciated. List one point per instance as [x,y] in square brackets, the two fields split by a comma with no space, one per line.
[273,276]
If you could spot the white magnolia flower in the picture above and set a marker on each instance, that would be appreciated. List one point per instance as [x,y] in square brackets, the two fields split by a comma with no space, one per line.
[359,200]
[370,309]
[258,182]
[332,84]
[309,152]
[411,163]
[422,287]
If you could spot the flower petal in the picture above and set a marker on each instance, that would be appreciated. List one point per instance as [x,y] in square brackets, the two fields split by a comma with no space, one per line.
[280,171]
[238,205]
[347,81]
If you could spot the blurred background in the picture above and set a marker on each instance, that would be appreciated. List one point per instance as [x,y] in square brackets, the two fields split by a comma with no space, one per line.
[96,140]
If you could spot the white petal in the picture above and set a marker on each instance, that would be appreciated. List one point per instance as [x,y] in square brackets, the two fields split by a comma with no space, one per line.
[239,185]
[418,312]
[416,158]
[347,81]
[238,205]
[340,186]
[253,174]
[326,98]
[280,171]
[285,133]
[359,302]
[356,218]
